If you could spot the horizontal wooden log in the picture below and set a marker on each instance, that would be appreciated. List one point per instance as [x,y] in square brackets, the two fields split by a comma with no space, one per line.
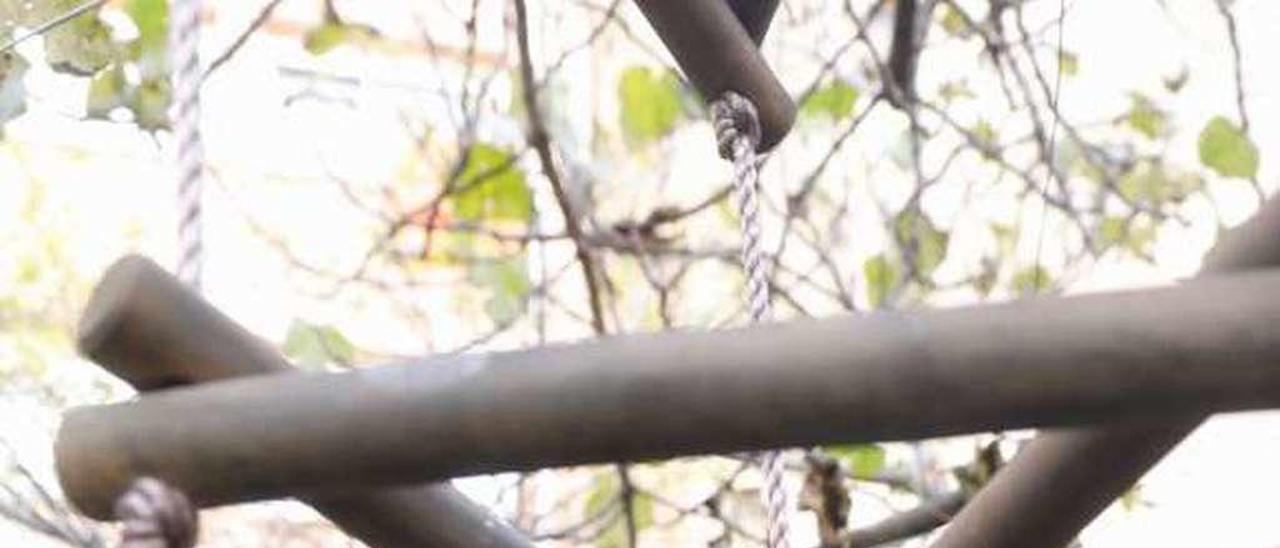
[144,326]
[717,54]
[1206,346]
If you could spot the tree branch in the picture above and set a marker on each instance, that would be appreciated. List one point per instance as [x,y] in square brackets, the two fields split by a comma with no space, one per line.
[541,142]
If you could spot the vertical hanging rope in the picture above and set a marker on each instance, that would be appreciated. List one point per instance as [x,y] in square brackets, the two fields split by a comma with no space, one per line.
[184,39]
[737,127]
[153,515]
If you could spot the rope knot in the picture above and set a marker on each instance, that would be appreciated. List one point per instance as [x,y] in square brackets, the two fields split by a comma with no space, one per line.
[155,515]
[735,120]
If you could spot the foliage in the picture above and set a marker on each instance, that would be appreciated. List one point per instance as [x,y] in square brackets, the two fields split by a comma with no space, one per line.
[1225,149]
[312,346]
[924,244]
[507,283]
[1145,118]
[604,498]
[1134,235]
[833,101]
[649,104]
[863,461]
[492,187]
[881,277]
[1031,281]
[331,34]
[1156,184]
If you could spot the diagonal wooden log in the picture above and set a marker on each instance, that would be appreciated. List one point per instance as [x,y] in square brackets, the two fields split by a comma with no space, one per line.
[755,16]
[148,329]
[1064,478]
[925,517]
[1203,347]
[717,54]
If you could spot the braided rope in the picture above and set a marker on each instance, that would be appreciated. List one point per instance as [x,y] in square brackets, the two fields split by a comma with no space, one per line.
[155,515]
[184,39]
[737,127]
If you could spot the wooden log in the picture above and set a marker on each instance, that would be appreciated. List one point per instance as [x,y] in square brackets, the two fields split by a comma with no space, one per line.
[1203,347]
[717,54]
[147,328]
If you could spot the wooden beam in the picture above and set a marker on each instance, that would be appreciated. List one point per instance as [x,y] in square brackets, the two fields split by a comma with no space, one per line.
[718,55]
[1203,347]
[144,326]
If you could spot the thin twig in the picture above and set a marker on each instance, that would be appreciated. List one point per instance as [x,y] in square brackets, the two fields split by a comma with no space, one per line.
[541,141]
[239,42]
[53,23]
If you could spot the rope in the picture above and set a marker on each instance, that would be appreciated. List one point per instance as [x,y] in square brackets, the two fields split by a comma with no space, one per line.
[737,127]
[184,39]
[155,515]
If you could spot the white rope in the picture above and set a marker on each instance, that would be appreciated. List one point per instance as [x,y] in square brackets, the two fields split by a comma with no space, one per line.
[737,128]
[154,515]
[184,39]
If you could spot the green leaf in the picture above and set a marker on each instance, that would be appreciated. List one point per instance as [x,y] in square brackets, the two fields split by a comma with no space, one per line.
[863,460]
[107,92]
[150,104]
[1145,118]
[1135,235]
[152,19]
[649,103]
[1225,149]
[642,510]
[313,345]
[1112,231]
[1031,281]
[921,240]
[13,92]
[956,90]
[1153,183]
[988,140]
[492,187]
[507,282]
[605,491]
[834,101]
[149,49]
[1069,63]
[953,22]
[80,46]
[325,38]
[882,276]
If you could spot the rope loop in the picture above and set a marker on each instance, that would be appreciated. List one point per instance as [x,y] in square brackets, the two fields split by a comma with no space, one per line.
[735,120]
[155,515]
